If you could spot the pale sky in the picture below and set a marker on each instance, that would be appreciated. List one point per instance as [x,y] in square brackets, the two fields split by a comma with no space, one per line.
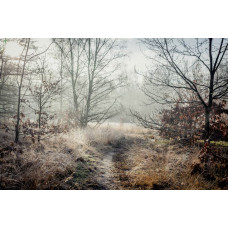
[135,57]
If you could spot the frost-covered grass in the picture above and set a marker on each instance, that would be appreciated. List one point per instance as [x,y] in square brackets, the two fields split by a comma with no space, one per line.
[146,160]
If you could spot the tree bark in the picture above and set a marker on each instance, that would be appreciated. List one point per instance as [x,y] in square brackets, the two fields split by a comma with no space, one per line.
[72,77]
[207,122]
[17,127]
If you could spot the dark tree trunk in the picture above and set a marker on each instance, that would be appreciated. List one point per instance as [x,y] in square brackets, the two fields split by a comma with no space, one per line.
[39,122]
[207,123]
[17,127]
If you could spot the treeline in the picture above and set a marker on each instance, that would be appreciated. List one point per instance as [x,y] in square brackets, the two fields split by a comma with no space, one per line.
[70,81]
[76,81]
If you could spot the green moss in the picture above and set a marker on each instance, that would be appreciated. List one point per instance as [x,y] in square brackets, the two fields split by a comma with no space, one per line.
[220,143]
[163,141]
[81,173]
[217,143]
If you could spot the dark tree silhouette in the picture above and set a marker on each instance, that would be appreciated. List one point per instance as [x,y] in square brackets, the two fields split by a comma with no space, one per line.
[182,66]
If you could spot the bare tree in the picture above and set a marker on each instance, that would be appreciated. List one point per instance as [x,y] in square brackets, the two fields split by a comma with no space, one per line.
[26,44]
[182,66]
[44,88]
[92,65]
[7,85]
[102,64]
[72,51]
[61,80]
[23,61]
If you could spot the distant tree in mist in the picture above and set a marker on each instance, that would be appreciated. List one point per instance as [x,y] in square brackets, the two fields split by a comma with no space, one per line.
[102,57]
[92,65]
[71,50]
[7,88]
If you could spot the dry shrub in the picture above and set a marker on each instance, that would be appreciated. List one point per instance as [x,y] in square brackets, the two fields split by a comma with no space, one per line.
[35,170]
[102,135]
[159,166]
[43,165]
[142,161]
[130,129]
[45,170]
[212,166]
[48,164]
[154,171]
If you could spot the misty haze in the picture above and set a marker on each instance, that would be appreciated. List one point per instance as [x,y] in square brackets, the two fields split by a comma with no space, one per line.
[109,114]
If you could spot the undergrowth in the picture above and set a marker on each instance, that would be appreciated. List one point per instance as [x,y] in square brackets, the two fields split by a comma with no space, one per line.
[143,160]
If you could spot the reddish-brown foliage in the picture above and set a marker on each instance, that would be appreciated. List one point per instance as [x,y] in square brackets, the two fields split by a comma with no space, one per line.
[185,121]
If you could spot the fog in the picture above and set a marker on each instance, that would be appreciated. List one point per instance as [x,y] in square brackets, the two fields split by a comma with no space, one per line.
[127,96]
[82,81]
[100,113]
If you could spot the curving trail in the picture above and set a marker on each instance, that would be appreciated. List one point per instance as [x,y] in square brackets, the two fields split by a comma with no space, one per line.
[108,175]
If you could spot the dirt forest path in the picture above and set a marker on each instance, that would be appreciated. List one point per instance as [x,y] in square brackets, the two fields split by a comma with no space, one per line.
[108,173]
[115,164]
[107,178]
[134,160]
[143,161]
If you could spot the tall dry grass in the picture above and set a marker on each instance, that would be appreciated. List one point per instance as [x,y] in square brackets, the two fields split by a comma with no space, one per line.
[146,161]
[46,165]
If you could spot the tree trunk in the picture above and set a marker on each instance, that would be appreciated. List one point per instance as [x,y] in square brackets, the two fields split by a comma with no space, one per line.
[61,83]
[88,105]
[207,122]
[85,119]
[39,122]
[1,70]
[73,80]
[17,127]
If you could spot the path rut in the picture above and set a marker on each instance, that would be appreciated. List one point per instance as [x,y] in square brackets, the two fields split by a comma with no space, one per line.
[108,176]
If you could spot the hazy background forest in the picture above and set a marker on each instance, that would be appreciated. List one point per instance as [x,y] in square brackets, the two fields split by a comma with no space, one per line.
[95,113]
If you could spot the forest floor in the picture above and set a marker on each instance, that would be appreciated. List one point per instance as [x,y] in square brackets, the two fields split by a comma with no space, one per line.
[114,156]
[142,160]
